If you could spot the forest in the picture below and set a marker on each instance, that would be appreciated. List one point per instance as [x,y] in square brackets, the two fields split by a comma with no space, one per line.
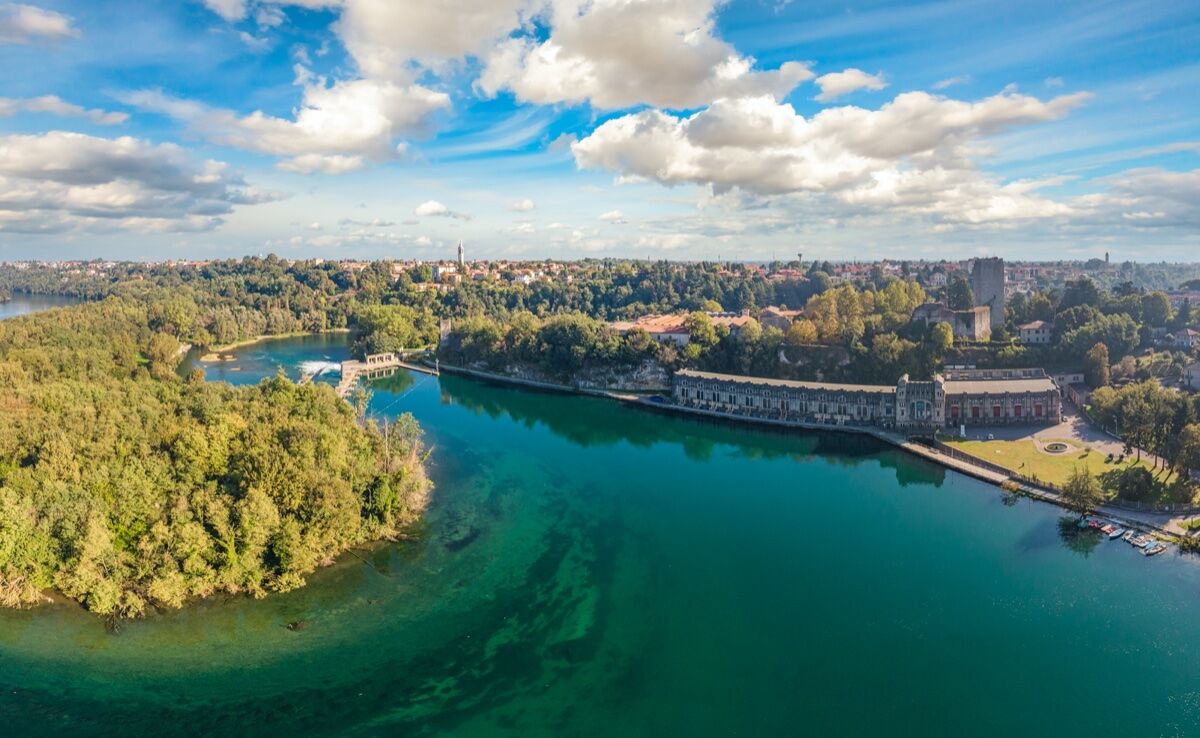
[128,488]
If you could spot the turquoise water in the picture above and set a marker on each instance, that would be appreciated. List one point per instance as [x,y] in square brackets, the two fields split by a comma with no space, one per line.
[588,569]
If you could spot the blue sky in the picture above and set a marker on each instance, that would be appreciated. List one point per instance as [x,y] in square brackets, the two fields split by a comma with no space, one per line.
[687,129]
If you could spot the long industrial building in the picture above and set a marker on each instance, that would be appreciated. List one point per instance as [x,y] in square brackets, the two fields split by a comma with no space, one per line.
[973,399]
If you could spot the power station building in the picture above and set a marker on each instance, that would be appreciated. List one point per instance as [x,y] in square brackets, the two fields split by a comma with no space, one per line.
[971,398]
[987,282]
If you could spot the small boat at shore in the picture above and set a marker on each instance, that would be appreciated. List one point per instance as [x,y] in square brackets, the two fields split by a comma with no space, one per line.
[1129,534]
[1108,529]
[1140,541]
[1117,532]
[1154,549]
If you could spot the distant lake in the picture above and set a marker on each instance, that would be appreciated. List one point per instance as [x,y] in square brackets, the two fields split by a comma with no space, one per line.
[589,569]
[22,304]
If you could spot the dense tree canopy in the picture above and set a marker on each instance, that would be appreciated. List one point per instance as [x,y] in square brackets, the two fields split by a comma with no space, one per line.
[126,487]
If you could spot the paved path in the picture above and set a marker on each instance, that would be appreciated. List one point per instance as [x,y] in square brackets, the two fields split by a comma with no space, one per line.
[1146,520]
[1075,428]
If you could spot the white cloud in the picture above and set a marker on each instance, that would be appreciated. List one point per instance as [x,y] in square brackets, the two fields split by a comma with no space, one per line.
[23,24]
[961,79]
[836,84]
[913,154]
[431,207]
[256,44]
[435,209]
[523,205]
[230,10]
[338,128]
[373,223]
[57,106]
[59,181]
[385,36]
[620,53]
[1145,198]
[613,216]
[268,16]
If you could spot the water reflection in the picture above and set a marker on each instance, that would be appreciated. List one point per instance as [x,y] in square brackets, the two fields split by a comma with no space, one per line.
[588,422]
[1082,541]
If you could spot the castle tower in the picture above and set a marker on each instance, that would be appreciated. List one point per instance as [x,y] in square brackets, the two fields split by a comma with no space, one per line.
[462,257]
[987,282]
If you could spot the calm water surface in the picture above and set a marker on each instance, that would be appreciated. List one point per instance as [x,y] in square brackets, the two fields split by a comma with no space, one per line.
[592,570]
[23,304]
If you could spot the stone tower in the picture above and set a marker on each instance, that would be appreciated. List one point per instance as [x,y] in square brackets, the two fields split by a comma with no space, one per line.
[987,282]
[462,257]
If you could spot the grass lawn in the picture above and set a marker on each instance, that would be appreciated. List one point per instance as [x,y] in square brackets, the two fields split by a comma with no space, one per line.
[1025,458]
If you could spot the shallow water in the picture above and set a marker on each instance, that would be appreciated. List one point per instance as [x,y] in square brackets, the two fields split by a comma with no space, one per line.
[589,569]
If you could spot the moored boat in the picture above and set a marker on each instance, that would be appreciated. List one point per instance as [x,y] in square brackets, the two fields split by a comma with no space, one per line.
[1154,549]
[1117,532]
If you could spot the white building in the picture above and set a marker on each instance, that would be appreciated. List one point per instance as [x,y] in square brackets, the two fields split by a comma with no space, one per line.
[1036,332]
[1186,338]
[1191,376]
[443,273]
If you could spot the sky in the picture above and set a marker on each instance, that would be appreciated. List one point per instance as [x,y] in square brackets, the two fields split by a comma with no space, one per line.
[677,129]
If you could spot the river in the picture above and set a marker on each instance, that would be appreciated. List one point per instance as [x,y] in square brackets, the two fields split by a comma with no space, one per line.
[23,304]
[589,569]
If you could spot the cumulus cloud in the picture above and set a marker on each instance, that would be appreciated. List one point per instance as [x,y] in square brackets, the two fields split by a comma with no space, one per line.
[836,84]
[57,106]
[23,24]
[60,181]
[1145,198]
[523,205]
[435,209]
[338,127]
[385,36]
[613,216]
[913,153]
[621,53]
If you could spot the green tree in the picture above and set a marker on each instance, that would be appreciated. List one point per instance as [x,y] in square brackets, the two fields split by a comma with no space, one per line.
[1095,366]
[959,295]
[701,330]
[1082,492]
[942,338]
[801,332]
[1082,291]
[1156,309]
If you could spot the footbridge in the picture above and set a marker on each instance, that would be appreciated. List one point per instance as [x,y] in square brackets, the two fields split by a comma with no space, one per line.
[374,366]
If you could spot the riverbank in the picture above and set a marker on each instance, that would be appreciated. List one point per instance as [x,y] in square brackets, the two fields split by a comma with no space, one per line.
[1167,526]
[221,353]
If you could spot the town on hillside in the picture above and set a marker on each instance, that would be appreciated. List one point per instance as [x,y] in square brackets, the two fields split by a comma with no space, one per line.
[977,343]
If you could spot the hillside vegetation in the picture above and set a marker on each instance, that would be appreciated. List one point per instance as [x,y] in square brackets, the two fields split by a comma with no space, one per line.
[126,487]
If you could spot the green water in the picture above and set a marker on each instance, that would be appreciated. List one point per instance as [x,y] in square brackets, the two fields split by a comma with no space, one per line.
[588,569]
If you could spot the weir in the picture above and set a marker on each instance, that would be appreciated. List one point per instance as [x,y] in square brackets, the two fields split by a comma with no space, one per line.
[374,366]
